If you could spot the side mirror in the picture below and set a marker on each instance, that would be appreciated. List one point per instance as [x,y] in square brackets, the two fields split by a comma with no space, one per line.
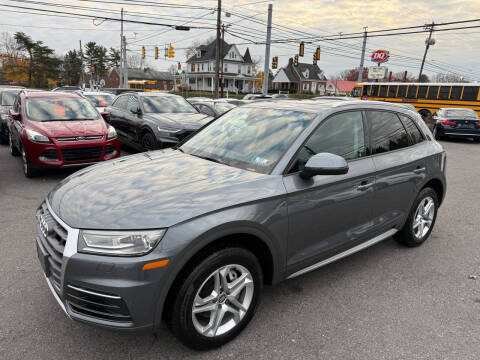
[324,164]
[106,116]
[15,116]
[136,111]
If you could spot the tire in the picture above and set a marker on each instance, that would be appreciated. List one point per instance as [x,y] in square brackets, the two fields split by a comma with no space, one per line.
[148,141]
[28,169]
[414,233]
[476,139]
[198,331]
[13,150]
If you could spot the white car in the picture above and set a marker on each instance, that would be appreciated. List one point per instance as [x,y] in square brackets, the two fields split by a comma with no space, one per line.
[99,99]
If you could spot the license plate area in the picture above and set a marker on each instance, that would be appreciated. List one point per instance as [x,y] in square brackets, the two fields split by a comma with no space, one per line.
[43,258]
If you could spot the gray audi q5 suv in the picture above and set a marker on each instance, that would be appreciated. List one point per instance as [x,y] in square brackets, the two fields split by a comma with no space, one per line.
[267,192]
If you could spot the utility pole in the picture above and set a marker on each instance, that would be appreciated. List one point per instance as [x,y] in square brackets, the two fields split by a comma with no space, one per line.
[266,68]
[360,69]
[217,47]
[221,52]
[125,65]
[121,48]
[428,42]
[82,77]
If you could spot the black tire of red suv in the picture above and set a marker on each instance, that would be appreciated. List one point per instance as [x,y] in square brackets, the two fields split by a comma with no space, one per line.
[13,150]
[181,321]
[406,236]
[29,170]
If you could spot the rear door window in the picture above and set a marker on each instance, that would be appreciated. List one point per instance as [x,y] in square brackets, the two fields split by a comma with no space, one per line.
[387,132]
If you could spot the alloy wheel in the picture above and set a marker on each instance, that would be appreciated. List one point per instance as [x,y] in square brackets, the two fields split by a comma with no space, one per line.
[10,144]
[223,300]
[423,218]
[25,163]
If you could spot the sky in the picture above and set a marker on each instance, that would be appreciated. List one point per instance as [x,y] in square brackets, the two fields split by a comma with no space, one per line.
[455,51]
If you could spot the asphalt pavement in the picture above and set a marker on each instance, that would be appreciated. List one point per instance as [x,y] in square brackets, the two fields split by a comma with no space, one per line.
[386,302]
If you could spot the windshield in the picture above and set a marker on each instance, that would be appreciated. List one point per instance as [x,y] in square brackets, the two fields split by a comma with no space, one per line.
[461,113]
[249,138]
[223,107]
[8,97]
[60,109]
[100,100]
[167,104]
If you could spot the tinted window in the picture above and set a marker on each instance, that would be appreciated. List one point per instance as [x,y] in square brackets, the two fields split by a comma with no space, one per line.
[412,91]
[132,103]
[392,91]
[383,91]
[356,91]
[121,102]
[449,113]
[387,132]
[422,92]
[401,91]
[60,109]
[341,134]
[374,91]
[444,92]
[366,90]
[470,93]
[8,97]
[412,129]
[432,92]
[249,138]
[100,100]
[167,104]
[456,92]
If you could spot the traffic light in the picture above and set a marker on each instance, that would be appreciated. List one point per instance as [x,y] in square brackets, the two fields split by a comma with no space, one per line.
[274,62]
[295,60]
[171,51]
[317,53]
[156,52]
[143,52]
[179,66]
[301,51]
[315,59]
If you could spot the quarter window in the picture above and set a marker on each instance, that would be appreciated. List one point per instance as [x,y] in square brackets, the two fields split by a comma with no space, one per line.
[341,134]
[412,129]
[387,132]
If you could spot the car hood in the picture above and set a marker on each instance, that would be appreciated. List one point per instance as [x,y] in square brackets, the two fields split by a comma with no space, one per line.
[155,190]
[189,121]
[70,128]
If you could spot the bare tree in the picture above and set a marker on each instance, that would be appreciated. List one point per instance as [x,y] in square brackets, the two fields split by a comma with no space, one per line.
[8,45]
[256,61]
[172,69]
[343,75]
[134,61]
[449,78]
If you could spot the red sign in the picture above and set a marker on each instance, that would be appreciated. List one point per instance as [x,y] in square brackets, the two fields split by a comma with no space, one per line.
[380,56]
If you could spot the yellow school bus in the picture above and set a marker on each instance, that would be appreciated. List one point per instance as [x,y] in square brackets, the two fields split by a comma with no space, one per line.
[427,98]
[145,85]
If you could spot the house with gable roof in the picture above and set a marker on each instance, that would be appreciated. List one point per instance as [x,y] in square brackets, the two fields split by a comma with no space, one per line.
[238,72]
[304,78]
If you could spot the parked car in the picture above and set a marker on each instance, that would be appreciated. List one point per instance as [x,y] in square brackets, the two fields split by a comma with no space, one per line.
[280,96]
[7,96]
[339,98]
[149,121]
[118,91]
[455,123]
[99,99]
[50,129]
[68,88]
[213,108]
[256,97]
[267,192]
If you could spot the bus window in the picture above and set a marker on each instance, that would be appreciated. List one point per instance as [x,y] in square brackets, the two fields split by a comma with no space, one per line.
[392,91]
[374,91]
[470,93]
[366,90]
[432,92]
[456,92]
[401,91]
[357,92]
[444,92]
[412,91]
[422,92]
[383,91]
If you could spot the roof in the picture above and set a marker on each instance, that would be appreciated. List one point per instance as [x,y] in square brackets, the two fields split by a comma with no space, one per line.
[96,93]
[419,84]
[314,72]
[247,58]
[208,52]
[343,85]
[50,94]
[148,74]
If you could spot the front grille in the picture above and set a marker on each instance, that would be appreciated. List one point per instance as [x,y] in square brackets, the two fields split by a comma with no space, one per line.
[49,155]
[86,153]
[53,240]
[97,305]
[80,138]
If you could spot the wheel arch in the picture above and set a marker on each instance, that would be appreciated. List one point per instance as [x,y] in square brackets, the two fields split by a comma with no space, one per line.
[438,187]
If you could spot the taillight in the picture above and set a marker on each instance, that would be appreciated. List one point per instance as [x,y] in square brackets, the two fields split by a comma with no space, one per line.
[449,123]
[477,125]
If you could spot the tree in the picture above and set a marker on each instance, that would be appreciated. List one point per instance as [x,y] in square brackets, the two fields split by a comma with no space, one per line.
[449,78]
[134,61]
[97,55]
[25,43]
[172,69]
[424,78]
[72,67]
[352,74]
[113,58]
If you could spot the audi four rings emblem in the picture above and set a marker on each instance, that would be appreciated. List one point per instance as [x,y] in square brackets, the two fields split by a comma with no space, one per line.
[43,225]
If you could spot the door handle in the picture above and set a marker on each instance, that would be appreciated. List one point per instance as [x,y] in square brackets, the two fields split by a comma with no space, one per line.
[419,170]
[364,185]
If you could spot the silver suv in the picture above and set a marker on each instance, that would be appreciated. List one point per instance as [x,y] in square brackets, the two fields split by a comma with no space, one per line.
[267,192]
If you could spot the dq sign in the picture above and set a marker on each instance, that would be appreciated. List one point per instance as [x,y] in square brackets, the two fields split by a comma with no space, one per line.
[380,56]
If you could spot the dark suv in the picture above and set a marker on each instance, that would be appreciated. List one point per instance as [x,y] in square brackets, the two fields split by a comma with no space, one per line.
[267,192]
[7,97]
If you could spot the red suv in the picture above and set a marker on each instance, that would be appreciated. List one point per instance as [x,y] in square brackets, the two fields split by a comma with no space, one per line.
[51,129]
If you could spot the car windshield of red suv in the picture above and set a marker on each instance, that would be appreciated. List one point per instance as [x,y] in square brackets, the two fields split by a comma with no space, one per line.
[60,109]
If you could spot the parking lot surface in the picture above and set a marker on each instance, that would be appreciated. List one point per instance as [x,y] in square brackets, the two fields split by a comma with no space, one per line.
[386,302]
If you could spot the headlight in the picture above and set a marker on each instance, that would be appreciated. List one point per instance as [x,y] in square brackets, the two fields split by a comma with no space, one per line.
[111,133]
[36,137]
[120,243]
[168,132]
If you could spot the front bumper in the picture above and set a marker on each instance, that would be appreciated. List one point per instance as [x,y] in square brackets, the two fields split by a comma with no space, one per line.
[112,292]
